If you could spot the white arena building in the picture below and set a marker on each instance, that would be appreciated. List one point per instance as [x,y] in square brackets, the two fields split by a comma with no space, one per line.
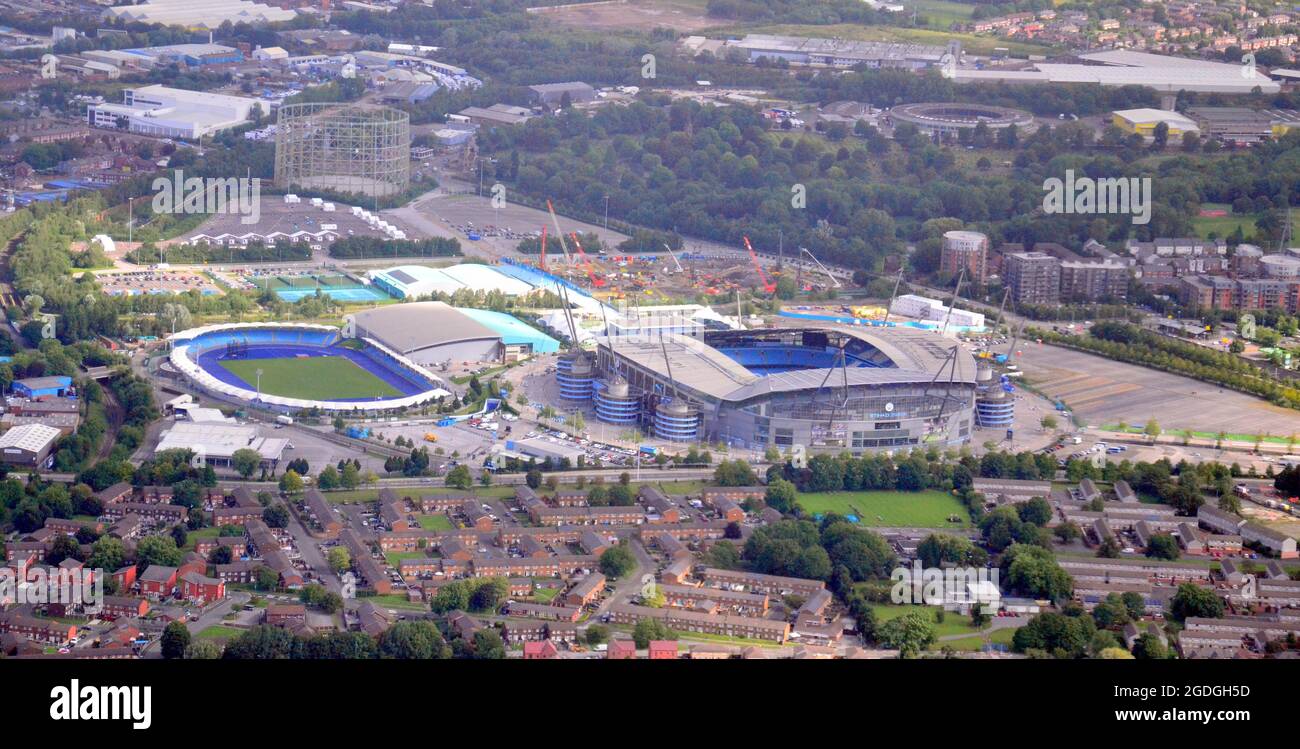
[415,281]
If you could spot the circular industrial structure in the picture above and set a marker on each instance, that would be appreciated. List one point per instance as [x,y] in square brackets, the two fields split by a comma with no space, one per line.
[948,118]
[615,402]
[575,375]
[995,404]
[359,149]
[826,389]
[290,367]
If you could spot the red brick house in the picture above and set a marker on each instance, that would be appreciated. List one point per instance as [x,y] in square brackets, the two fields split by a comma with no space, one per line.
[197,587]
[620,650]
[123,607]
[663,650]
[158,581]
[540,650]
[125,577]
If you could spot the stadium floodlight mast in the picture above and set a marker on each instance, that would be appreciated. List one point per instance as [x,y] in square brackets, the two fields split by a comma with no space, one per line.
[259,382]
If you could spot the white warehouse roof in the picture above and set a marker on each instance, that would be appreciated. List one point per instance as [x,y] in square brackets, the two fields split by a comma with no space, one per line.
[29,437]
[207,14]
[417,280]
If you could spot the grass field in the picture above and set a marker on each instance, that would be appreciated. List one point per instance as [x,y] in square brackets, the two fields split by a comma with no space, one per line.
[975,44]
[434,522]
[1223,226]
[394,601]
[311,378]
[395,558]
[928,509]
[953,623]
[218,632]
[976,642]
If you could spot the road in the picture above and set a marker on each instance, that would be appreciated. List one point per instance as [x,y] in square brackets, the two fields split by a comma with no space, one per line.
[629,585]
[512,479]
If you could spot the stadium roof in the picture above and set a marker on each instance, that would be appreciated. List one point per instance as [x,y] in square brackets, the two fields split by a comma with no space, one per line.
[916,356]
[513,332]
[694,364]
[418,325]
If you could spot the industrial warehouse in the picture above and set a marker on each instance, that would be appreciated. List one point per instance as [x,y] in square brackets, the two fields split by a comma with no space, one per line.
[826,389]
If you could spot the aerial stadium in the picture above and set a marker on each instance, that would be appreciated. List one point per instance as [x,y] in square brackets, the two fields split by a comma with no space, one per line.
[947,118]
[290,367]
[826,389]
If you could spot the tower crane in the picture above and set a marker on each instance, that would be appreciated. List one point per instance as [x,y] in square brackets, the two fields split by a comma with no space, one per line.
[834,281]
[596,281]
[768,286]
[559,233]
[674,257]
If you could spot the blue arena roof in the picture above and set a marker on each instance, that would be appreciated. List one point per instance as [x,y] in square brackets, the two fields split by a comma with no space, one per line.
[512,331]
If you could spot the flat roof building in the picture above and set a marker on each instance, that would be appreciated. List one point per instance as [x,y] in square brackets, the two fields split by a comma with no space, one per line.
[28,444]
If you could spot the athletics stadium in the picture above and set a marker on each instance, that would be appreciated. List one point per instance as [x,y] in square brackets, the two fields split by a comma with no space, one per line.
[297,366]
[823,388]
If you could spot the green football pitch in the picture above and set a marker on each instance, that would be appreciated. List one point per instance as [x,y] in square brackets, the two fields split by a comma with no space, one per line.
[319,378]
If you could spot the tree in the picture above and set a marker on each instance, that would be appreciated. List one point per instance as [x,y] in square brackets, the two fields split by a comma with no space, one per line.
[1048,422]
[533,478]
[489,595]
[617,561]
[909,634]
[108,554]
[1193,600]
[160,550]
[781,496]
[651,629]
[1152,430]
[245,461]
[1149,647]
[291,482]
[202,650]
[597,634]
[328,478]
[1055,633]
[488,645]
[339,559]
[413,640]
[1033,571]
[459,478]
[276,516]
[734,473]
[1162,546]
[350,476]
[175,638]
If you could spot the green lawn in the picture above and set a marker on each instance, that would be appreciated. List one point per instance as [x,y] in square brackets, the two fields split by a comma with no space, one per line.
[312,378]
[219,632]
[394,601]
[976,642]
[434,522]
[927,509]
[395,557]
[545,595]
[1222,226]
[953,623]
[979,44]
[361,496]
